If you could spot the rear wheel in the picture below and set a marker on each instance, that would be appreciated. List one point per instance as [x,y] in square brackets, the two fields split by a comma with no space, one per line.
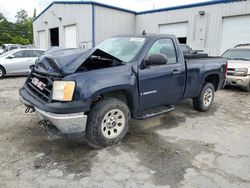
[2,72]
[107,122]
[204,101]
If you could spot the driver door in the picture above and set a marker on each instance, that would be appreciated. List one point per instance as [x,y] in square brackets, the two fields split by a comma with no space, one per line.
[18,62]
[161,85]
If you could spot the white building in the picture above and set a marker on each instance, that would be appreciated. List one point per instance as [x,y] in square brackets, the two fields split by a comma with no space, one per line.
[211,26]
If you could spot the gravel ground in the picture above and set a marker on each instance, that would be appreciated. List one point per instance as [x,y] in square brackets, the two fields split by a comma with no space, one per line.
[183,148]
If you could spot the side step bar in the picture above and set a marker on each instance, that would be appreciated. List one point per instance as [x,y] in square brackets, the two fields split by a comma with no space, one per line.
[156,111]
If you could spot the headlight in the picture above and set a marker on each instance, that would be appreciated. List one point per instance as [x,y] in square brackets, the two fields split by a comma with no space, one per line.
[241,72]
[63,90]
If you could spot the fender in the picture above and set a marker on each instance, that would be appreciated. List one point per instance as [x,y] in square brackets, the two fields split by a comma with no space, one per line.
[101,81]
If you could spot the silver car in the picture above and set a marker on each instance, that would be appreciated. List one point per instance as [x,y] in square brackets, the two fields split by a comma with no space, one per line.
[17,62]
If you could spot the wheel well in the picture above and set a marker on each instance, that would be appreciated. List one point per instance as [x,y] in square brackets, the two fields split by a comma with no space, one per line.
[213,79]
[3,69]
[118,94]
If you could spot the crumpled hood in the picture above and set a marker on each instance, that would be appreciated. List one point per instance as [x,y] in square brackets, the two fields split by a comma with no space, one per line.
[67,60]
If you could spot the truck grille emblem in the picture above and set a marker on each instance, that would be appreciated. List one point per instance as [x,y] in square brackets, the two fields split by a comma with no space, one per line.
[39,84]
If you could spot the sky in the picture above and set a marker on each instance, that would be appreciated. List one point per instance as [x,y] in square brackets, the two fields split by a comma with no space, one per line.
[10,7]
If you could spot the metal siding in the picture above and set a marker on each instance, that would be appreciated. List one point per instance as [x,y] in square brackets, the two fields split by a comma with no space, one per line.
[71,14]
[232,36]
[110,22]
[206,33]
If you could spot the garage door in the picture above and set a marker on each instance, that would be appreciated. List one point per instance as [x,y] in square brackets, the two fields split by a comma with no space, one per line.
[177,29]
[70,36]
[235,30]
[41,40]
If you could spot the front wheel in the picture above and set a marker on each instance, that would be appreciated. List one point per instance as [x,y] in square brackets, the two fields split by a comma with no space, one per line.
[204,101]
[2,72]
[108,122]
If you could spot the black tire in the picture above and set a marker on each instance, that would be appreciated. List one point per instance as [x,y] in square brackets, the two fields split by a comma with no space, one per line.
[2,72]
[97,117]
[200,103]
[248,88]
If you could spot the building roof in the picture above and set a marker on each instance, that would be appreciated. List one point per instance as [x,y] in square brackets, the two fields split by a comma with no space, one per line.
[211,2]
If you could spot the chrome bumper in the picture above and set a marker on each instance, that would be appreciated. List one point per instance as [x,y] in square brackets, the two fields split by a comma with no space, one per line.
[242,81]
[66,123]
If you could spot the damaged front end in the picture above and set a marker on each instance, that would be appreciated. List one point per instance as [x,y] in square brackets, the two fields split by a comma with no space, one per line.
[62,117]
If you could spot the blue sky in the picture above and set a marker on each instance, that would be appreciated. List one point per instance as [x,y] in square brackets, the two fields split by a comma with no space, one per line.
[10,7]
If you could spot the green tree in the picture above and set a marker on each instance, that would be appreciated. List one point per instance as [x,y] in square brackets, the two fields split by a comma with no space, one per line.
[24,24]
[20,40]
[21,16]
[16,32]
[5,38]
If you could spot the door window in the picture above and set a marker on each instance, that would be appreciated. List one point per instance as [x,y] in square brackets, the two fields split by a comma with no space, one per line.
[21,54]
[36,53]
[166,47]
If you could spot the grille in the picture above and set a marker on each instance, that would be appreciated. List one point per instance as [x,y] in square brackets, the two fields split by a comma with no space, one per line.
[230,71]
[43,86]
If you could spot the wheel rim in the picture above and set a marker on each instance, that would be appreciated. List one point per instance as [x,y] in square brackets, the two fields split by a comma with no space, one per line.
[113,123]
[208,97]
[1,73]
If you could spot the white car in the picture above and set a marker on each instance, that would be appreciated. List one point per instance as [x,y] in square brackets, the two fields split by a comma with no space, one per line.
[17,62]
[238,73]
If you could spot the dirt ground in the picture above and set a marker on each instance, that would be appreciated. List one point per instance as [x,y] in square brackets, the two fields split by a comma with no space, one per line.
[183,148]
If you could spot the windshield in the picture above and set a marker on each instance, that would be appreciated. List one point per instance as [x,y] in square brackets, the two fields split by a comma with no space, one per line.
[123,48]
[6,54]
[237,54]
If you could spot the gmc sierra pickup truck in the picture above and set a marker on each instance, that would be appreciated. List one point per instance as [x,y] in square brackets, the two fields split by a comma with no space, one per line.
[95,92]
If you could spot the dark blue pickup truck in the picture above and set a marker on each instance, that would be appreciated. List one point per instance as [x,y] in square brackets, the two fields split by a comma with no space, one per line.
[95,92]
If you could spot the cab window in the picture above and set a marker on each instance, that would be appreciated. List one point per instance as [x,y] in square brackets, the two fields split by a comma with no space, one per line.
[165,47]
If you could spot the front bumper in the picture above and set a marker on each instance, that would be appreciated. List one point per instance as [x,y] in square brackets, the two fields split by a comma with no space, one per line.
[67,121]
[241,81]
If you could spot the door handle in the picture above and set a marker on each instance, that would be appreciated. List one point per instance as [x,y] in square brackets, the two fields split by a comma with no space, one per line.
[176,71]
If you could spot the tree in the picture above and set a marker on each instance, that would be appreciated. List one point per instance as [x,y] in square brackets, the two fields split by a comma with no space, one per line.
[20,32]
[5,38]
[21,16]
[2,18]
[24,24]
[20,40]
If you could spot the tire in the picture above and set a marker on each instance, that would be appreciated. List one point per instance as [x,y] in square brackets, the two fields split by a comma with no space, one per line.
[2,72]
[204,101]
[248,88]
[108,123]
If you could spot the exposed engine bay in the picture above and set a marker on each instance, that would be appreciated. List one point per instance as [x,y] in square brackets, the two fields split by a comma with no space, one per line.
[99,60]
[67,61]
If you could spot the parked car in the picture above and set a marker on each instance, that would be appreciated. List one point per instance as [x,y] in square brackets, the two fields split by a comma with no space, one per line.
[17,62]
[95,92]
[9,47]
[238,66]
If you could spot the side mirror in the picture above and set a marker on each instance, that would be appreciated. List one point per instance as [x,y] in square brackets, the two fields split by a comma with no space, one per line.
[156,59]
[10,57]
